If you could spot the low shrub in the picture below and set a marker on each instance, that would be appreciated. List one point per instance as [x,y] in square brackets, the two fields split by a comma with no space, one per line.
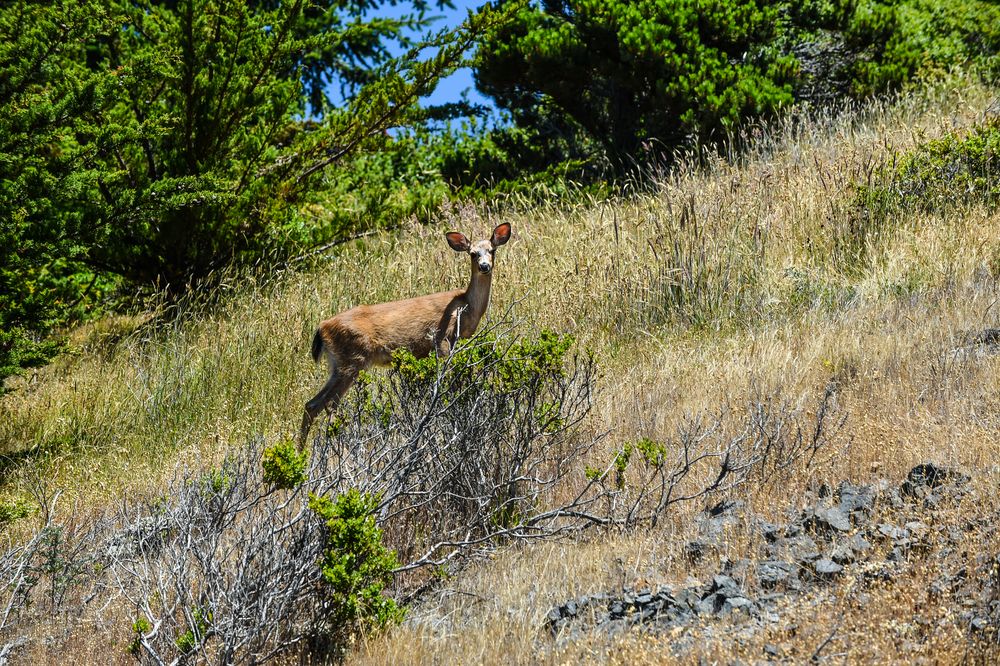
[284,465]
[953,172]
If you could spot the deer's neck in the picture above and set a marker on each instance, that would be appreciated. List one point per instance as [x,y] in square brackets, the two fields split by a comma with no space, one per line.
[477,298]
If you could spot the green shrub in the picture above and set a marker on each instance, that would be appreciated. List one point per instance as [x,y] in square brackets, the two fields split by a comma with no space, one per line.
[13,510]
[955,171]
[139,627]
[189,640]
[284,465]
[356,566]
[653,455]
[506,368]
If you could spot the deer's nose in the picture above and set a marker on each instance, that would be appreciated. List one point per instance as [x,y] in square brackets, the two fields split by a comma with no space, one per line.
[485,267]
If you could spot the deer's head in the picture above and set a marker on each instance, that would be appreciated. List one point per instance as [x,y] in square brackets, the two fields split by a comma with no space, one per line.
[481,251]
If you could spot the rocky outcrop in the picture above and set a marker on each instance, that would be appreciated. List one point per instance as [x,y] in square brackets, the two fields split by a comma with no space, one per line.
[836,535]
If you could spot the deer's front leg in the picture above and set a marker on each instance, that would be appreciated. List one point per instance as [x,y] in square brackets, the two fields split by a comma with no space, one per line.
[445,339]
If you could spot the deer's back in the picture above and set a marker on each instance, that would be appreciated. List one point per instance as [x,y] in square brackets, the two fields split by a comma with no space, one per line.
[372,332]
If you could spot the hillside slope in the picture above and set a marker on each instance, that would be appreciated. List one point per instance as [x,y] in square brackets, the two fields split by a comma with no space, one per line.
[751,284]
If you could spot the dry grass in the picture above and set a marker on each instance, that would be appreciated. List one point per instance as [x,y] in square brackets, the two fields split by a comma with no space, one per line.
[729,277]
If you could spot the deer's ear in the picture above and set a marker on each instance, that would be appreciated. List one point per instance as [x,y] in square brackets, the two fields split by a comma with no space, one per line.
[457,241]
[501,234]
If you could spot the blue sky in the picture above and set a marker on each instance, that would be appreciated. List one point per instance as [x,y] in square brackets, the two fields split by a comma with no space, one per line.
[451,88]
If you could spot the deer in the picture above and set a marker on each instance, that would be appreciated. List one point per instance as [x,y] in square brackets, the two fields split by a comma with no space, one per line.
[367,335]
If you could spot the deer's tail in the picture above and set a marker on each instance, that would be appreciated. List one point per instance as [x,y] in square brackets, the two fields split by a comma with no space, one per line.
[317,346]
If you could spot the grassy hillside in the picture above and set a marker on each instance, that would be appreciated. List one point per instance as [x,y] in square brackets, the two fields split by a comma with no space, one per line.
[760,280]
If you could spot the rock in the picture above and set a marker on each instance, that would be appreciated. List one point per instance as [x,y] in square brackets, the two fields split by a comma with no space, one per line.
[893,533]
[710,605]
[830,519]
[771,651]
[898,553]
[987,336]
[737,604]
[826,568]
[799,549]
[688,598]
[842,554]
[726,586]
[712,525]
[736,569]
[769,531]
[774,573]
[849,550]
[695,551]
[929,475]
[857,502]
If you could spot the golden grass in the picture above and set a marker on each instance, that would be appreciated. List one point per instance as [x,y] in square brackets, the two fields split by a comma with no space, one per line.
[728,277]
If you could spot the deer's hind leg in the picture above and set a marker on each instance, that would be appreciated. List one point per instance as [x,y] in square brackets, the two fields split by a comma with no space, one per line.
[329,397]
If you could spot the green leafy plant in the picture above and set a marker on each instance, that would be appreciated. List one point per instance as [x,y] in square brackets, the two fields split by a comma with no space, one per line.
[189,640]
[44,282]
[284,465]
[140,627]
[216,482]
[13,510]
[955,171]
[509,368]
[356,566]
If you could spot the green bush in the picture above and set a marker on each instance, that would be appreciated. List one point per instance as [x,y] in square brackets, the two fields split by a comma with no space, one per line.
[953,33]
[356,566]
[956,170]
[190,639]
[141,626]
[953,172]
[13,510]
[508,368]
[637,76]
[284,465]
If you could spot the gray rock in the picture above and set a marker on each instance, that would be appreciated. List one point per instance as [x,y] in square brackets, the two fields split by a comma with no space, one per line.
[929,475]
[826,568]
[892,532]
[798,549]
[842,554]
[827,521]
[726,586]
[850,550]
[737,604]
[856,501]
[710,605]
[770,531]
[774,573]
[695,551]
